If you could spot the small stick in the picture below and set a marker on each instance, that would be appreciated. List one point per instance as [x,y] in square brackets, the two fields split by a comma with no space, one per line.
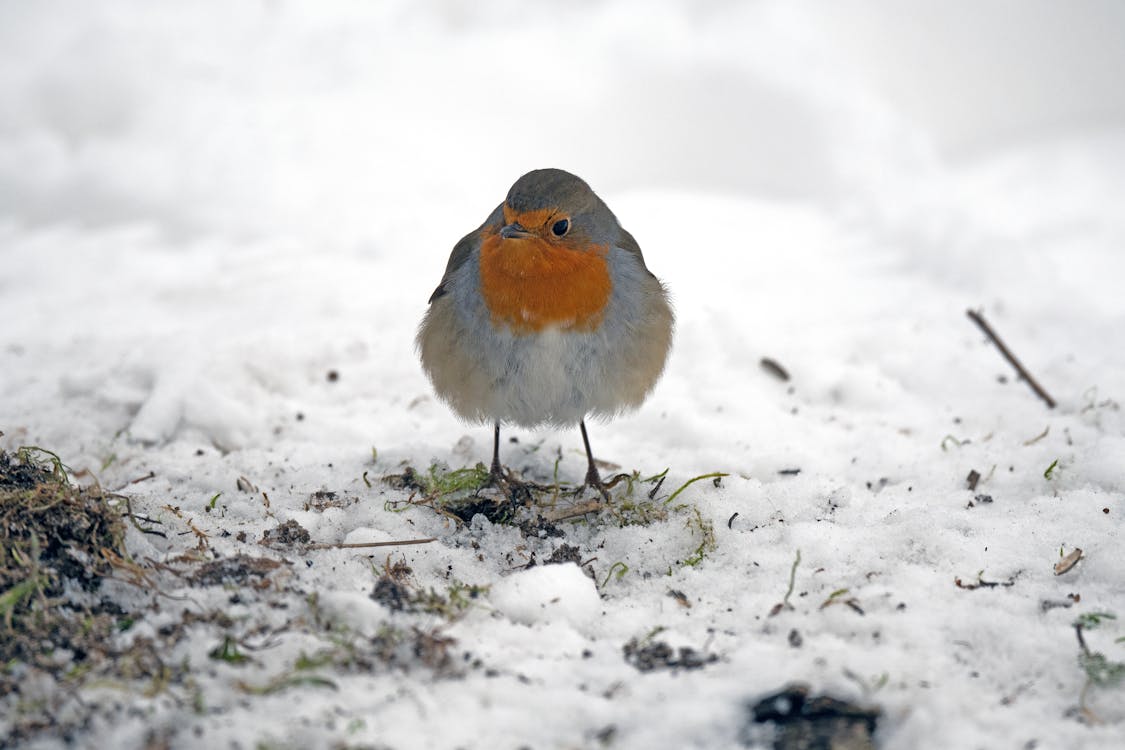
[363,545]
[136,523]
[774,368]
[977,318]
[138,480]
[590,506]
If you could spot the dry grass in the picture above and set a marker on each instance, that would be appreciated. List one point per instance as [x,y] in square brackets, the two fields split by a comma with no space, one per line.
[52,531]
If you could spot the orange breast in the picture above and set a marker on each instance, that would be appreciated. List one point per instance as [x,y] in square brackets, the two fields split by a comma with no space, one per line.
[530,283]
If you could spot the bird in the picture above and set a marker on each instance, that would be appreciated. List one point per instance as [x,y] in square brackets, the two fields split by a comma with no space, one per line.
[546,315]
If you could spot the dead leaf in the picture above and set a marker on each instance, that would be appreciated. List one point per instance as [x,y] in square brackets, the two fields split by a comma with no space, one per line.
[1068,562]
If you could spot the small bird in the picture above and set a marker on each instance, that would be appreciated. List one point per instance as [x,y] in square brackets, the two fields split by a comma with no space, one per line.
[546,314]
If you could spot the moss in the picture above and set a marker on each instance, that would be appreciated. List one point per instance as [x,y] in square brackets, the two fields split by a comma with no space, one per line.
[52,531]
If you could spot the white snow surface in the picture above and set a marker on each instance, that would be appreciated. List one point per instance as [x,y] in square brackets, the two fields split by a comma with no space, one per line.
[206,207]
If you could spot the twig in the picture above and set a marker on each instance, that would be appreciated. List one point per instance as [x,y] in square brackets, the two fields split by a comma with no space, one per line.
[977,318]
[773,367]
[590,506]
[136,524]
[364,545]
[980,583]
[138,480]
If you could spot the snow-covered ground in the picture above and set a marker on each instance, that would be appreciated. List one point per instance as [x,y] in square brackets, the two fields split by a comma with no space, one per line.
[206,208]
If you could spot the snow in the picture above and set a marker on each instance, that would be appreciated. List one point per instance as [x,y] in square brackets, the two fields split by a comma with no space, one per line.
[206,208]
[546,594]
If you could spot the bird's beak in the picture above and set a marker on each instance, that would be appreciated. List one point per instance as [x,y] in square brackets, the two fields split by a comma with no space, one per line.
[514,231]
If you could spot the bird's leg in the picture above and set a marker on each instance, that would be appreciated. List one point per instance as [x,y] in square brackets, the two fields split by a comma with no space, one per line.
[495,472]
[593,478]
[512,489]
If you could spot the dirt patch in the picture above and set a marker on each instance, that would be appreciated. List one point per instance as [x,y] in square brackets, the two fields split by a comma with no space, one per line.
[322,500]
[793,720]
[649,655]
[391,594]
[393,589]
[286,535]
[564,553]
[61,633]
[50,532]
[397,591]
[23,472]
[240,570]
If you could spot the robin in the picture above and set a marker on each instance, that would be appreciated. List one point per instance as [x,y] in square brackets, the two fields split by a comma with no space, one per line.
[546,314]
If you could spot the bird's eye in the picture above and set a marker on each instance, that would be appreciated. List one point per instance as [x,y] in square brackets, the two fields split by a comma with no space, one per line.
[560,227]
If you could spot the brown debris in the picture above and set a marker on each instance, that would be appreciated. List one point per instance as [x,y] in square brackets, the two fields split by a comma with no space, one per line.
[774,368]
[680,597]
[564,553]
[287,534]
[980,583]
[1067,563]
[802,722]
[653,655]
[238,570]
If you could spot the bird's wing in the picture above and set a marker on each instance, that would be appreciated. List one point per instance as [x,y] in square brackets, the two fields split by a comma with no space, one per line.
[627,243]
[464,249]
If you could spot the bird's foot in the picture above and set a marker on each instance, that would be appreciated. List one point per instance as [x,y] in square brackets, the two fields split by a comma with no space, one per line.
[594,479]
[496,476]
[509,485]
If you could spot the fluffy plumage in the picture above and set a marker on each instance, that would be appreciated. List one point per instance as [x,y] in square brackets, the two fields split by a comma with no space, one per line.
[539,342]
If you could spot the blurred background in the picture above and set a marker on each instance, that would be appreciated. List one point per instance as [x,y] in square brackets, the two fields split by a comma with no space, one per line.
[203,205]
[347,122]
